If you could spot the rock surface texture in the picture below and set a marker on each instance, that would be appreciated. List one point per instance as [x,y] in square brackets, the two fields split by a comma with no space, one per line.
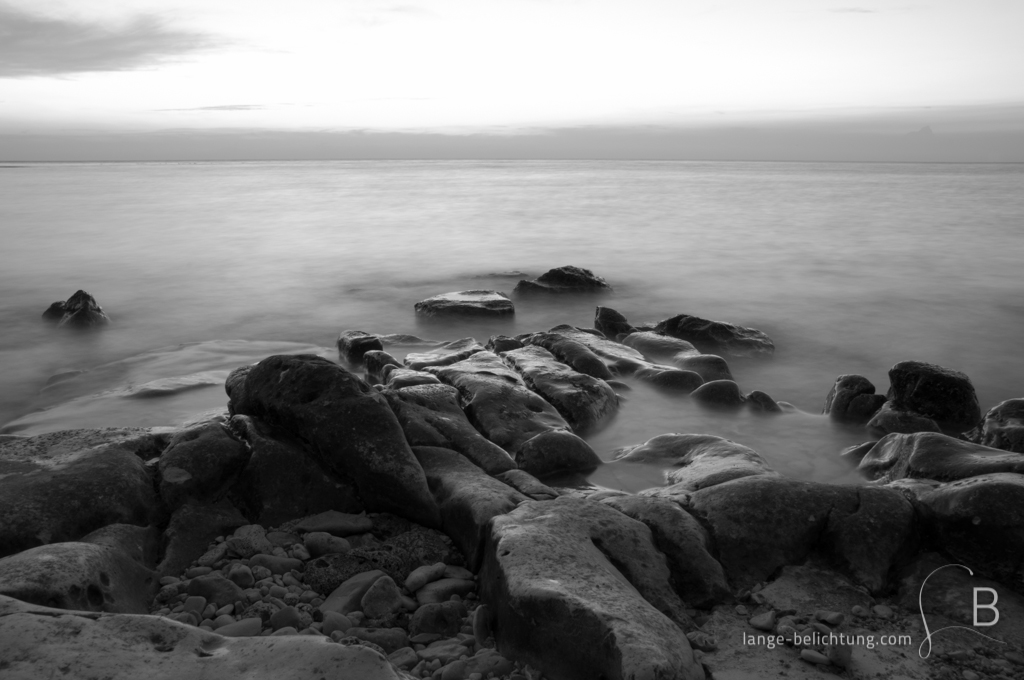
[567,279]
[466,303]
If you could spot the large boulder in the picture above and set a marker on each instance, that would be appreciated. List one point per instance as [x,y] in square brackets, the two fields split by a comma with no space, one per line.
[567,279]
[852,399]
[198,462]
[430,415]
[930,455]
[192,528]
[488,303]
[611,323]
[448,353]
[942,394]
[888,420]
[60,486]
[699,460]
[580,592]
[345,425]
[1002,428]
[281,482]
[353,345]
[717,336]
[78,311]
[586,403]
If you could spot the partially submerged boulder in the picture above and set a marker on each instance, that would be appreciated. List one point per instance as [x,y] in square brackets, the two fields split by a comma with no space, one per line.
[567,279]
[353,345]
[658,347]
[699,460]
[374,362]
[78,311]
[474,303]
[888,420]
[1002,427]
[444,355]
[852,399]
[942,394]
[717,336]
[611,323]
[931,455]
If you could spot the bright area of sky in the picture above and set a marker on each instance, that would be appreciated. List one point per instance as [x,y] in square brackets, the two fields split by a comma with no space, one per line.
[504,65]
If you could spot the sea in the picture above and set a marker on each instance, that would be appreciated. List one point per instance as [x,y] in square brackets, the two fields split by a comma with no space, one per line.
[206,266]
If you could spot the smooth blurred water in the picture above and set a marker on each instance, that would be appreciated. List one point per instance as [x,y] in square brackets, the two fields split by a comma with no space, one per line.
[848,267]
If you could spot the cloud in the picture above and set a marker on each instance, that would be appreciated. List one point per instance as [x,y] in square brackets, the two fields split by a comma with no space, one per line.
[33,45]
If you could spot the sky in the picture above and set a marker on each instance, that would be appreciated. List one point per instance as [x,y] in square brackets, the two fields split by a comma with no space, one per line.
[843,79]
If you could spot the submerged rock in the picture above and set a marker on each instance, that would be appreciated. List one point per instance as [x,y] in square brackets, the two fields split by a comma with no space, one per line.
[567,279]
[931,455]
[942,394]
[1002,428]
[611,323]
[466,303]
[717,336]
[660,347]
[700,460]
[852,399]
[78,311]
[374,362]
[353,345]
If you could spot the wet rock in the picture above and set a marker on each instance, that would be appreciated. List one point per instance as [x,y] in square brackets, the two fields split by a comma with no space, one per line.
[78,311]
[347,596]
[720,393]
[658,347]
[502,343]
[327,573]
[528,485]
[374,362]
[335,523]
[611,323]
[617,358]
[423,546]
[710,367]
[942,394]
[715,337]
[930,455]
[443,589]
[472,303]
[430,415]
[697,577]
[60,486]
[570,352]
[852,399]
[888,421]
[353,345]
[141,544]
[488,661]
[701,460]
[444,618]
[421,576]
[287,617]
[764,621]
[579,591]
[672,380]
[281,482]
[759,401]
[192,528]
[1002,427]
[398,378]
[345,425]
[555,452]
[445,355]
[198,462]
[567,279]
[276,564]
[586,403]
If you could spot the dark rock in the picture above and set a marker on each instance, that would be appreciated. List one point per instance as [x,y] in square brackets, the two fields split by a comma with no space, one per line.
[424,546]
[759,401]
[658,347]
[198,462]
[1002,428]
[60,486]
[345,597]
[281,482]
[79,311]
[586,403]
[571,353]
[388,639]
[720,393]
[619,359]
[345,425]
[353,345]
[711,367]
[80,576]
[556,452]
[855,454]
[192,528]
[430,415]
[702,460]
[374,361]
[528,485]
[578,590]
[283,618]
[563,280]
[930,455]
[276,564]
[404,377]
[335,523]
[406,340]
[468,498]
[890,421]
[942,394]
[611,323]
[672,380]
[852,399]
[443,618]
[717,336]
[54,312]
[446,354]
[234,385]
[142,544]
[325,574]
[488,303]
[502,343]
[696,575]
[443,589]
[216,589]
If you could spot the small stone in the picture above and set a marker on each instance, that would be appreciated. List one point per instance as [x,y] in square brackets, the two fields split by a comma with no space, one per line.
[197,571]
[421,576]
[859,610]
[452,571]
[244,628]
[336,523]
[196,603]
[831,618]
[882,611]
[276,564]
[322,543]
[971,675]
[765,621]
[840,655]
[334,621]
[210,611]
[223,620]
[456,670]
[226,609]
[481,624]
[299,552]
[213,555]
[702,641]
[288,616]
[168,580]
[249,540]
[741,610]
[442,590]
[404,658]
[287,630]
[811,656]
[489,661]
[277,591]
[291,581]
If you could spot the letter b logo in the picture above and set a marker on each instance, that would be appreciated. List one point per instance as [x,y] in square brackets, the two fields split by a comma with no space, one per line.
[991,605]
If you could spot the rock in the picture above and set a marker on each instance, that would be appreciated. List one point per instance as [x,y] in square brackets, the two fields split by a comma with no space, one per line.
[78,576]
[141,544]
[852,399]
[831,618]
[942,394]
[488,661]
[467,496]
[382,598]
[611,323]
[60,486]
[249,540]
[347,597]
[404,658]
[929,455]
[888,420]
[482,624]
[1002,427]
[812,656]
[882,611]
[979,522]
[353,345]
[78,311]
[443,652]
[475,303]
[404,377]
[673,380]
[420,545]
[443,618]
[697,577]
[764,621]
[336,523]
[720,393]
[345,425]
[586,403]
[335,621]
[421,576]
[241,575]
[444,355]
[710,367]
[557,451]
[430,415]
[567,279]
[320,543]
[242,628]
[658,347]
[715,337]
[528,485]
[216,589]
[456,670]
[276,564]
[198,462]
[374,362]
[287,617]
[128,646]
[618,359]
[442,590]
[702,460]
[803,588]
[502,343]
[761,402]
[388,639]
[571,352]
[576,589]
[192,528]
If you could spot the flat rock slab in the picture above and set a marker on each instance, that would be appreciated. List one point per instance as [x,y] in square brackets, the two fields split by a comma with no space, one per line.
[715,337]
[700,460]
[466,303]
[42,643]
[444,355]
[930,455]
[576,589]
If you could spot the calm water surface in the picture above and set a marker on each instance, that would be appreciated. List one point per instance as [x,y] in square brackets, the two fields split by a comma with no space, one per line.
[206,266]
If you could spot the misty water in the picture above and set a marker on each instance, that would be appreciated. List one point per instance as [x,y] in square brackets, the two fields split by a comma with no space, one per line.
[206,266]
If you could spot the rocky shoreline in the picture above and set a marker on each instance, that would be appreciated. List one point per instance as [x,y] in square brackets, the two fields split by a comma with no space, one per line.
[416,522]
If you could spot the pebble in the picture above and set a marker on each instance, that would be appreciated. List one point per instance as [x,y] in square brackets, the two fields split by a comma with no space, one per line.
[421,576]
[195,603]
[882,611]
[442,590]
[197,571]
[249,540]
[404,658]
[287,630]
[831,618]
[285,617]
[859,611]
[456,670]
[275,563]
[741,610]
[226,609]
[168,580]
[702,641]
[840,655]
[765,621]
[336,523]
[319,543]
[812,656]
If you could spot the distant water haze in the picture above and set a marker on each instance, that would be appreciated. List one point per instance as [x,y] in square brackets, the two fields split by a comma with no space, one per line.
[849,267]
